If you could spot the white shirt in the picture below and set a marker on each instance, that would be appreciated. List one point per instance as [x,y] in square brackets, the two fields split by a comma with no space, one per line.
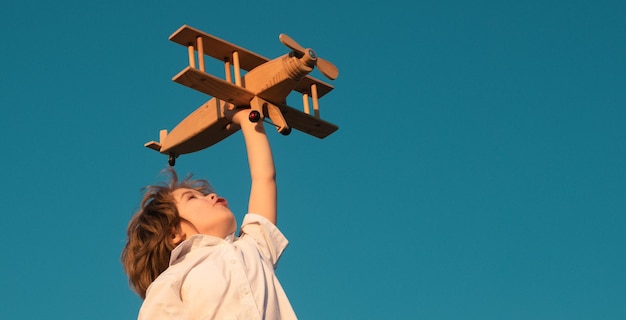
[214,278]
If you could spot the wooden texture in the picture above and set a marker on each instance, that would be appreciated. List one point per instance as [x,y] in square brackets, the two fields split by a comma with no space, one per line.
[214,86]
[200,46]
[304,86]
[223,90]
[264,88]
[248,60]
[217,48]
[203,128]
[306,123]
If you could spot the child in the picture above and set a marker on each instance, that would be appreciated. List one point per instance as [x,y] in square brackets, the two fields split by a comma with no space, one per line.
[182,256]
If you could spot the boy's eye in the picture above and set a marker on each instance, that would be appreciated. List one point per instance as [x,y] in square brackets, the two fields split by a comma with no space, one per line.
[189,196]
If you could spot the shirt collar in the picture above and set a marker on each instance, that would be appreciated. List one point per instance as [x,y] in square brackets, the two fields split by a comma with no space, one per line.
[197,241]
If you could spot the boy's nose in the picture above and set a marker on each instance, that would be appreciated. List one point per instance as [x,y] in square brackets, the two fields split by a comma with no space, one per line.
[212,196]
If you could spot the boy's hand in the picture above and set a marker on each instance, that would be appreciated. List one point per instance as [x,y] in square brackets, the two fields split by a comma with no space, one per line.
[238,116]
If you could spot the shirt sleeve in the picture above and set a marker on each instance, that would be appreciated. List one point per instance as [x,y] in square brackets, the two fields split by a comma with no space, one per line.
[268,238]
[163,301]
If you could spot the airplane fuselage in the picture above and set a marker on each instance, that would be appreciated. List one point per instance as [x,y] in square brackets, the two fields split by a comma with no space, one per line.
[275,79]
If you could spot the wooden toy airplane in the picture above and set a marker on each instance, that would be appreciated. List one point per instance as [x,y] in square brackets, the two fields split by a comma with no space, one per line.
[263,90]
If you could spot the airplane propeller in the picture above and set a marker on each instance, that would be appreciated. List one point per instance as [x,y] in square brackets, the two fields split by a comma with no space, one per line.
[326,67]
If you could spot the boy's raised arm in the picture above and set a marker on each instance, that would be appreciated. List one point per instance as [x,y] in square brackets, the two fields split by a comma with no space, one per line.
[262,172]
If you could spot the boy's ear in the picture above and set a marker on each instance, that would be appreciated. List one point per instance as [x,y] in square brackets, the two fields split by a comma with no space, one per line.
[177,236]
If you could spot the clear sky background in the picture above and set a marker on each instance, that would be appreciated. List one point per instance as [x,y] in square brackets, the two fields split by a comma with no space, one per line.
[478,172]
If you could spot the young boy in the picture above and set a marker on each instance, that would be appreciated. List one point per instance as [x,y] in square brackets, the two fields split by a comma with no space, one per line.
[182,256]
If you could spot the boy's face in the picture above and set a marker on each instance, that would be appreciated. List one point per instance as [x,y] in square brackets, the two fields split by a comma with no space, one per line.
[204,214]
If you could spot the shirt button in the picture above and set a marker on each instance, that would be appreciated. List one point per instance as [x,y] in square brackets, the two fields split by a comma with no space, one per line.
[233,261]
[245,291]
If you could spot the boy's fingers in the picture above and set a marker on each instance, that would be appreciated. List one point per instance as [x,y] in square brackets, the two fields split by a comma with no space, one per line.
[230,111]
[237,115]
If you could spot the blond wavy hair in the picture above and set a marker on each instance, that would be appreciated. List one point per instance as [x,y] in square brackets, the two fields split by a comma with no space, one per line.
[150,231]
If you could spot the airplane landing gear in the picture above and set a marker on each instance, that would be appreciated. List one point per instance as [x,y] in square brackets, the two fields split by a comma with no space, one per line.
[172,160]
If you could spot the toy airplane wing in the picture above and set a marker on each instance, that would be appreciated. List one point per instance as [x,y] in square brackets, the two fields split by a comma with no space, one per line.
[223,50]
[239,96]
[217,48]
[214,86]
[307,123]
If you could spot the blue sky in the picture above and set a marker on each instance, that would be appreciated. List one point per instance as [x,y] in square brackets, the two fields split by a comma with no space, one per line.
[478,172]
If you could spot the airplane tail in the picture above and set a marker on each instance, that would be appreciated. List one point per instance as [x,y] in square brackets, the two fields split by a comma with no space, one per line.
[157,145]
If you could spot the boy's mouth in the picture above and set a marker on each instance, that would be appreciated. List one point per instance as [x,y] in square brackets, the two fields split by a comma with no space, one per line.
[221,201]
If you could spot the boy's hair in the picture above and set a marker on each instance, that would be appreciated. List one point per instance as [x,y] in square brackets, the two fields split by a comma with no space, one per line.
[150,242]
